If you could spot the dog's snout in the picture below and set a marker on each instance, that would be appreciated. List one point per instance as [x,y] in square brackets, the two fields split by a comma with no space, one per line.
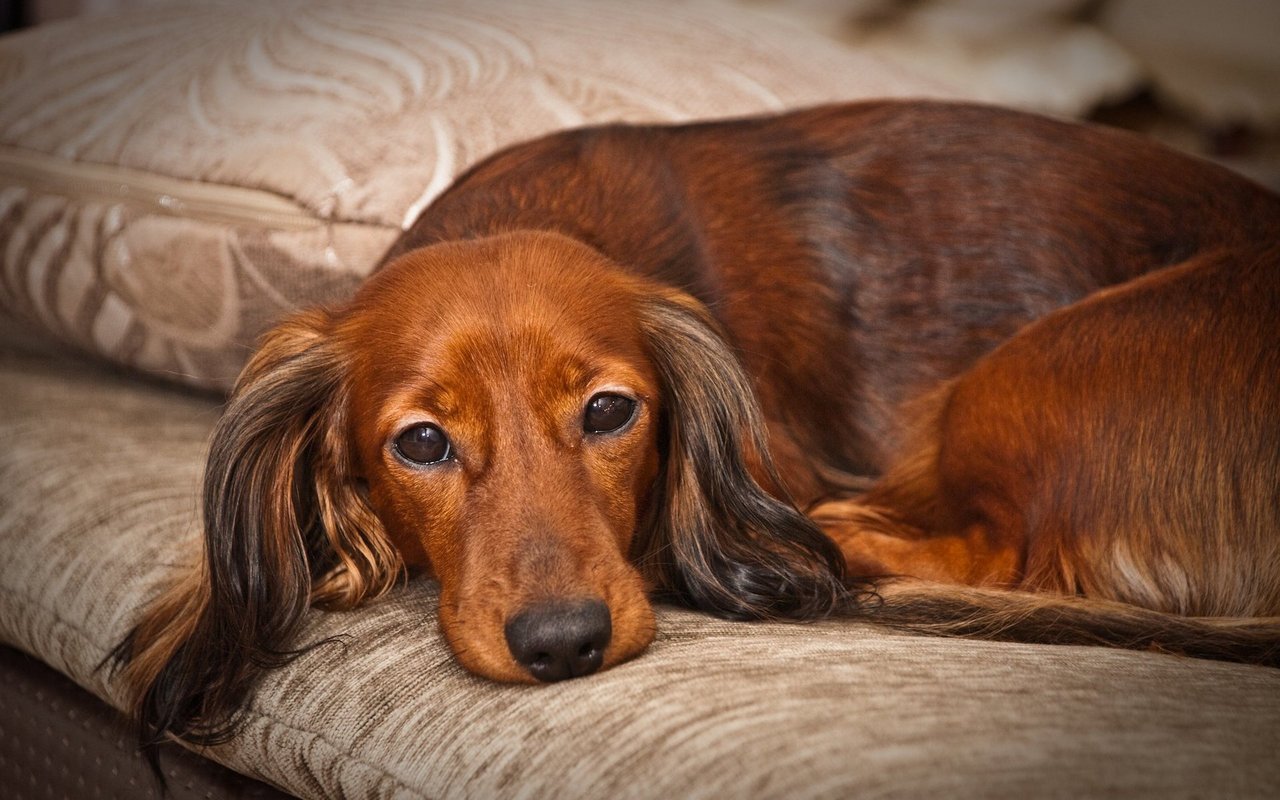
[560,640]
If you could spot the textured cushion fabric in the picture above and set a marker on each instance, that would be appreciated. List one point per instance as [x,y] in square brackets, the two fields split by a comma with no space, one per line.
[176,177]
[99,502]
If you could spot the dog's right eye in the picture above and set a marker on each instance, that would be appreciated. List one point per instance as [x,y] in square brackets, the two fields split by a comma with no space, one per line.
[423,444]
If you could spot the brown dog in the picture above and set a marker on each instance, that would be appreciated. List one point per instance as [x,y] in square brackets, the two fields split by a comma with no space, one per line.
[619,360]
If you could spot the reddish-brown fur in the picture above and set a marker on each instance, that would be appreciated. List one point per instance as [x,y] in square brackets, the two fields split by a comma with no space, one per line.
[1124,449]
[798,305]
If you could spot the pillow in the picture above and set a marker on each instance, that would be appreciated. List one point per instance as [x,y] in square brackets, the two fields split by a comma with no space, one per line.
[175,178]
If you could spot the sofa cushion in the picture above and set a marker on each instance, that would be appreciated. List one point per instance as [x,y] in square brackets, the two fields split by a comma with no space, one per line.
[98,507]
[175,178]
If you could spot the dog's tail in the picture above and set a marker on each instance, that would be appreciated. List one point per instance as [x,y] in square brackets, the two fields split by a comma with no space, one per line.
[1016,616]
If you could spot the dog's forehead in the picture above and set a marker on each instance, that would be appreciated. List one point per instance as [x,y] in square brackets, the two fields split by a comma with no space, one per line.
[535,311]
[511,276]
[529,289]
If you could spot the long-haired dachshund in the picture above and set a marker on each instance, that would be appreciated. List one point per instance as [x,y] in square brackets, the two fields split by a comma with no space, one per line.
[626,360]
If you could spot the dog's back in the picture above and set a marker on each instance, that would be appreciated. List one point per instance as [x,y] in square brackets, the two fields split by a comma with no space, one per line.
[859,254]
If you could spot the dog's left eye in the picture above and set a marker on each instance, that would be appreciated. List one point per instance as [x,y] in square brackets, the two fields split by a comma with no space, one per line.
[608,412]
[424,444]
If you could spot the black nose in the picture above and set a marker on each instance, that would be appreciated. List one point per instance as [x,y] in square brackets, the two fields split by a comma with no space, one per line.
[560,640]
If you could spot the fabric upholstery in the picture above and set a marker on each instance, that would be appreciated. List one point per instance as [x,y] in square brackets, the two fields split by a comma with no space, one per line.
[175,178]
[98,504]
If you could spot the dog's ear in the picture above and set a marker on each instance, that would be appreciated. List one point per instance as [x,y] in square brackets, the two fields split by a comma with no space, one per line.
[280,492]
[285,524]
[714,537]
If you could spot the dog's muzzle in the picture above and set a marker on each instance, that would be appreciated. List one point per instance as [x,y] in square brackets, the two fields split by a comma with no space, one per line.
[560,639]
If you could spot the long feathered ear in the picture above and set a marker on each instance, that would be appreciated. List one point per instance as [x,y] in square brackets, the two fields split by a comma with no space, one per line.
[286,526]
[715,539]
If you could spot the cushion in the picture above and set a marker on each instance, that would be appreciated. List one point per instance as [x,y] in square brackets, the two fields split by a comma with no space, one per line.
[175,178]
[99,505]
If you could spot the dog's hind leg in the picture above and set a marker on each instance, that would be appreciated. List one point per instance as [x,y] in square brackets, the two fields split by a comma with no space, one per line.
[1121,449]
[880,540]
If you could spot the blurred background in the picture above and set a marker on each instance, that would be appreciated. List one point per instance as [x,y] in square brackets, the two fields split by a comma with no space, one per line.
[1202,75]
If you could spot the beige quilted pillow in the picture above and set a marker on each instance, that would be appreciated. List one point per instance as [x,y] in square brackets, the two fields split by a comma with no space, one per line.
[174,178]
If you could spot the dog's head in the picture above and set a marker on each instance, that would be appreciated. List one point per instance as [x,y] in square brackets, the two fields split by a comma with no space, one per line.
[548,435]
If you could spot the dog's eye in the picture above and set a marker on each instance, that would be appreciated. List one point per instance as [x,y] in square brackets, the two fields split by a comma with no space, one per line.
[608,412]
[423,444]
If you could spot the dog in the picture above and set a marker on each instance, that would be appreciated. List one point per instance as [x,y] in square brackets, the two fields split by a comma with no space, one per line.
[953,368]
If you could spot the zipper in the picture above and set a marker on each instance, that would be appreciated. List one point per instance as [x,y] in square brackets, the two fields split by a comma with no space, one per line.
[211,202]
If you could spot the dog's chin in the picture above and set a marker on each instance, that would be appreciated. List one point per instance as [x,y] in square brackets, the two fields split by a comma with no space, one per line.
[634,625]
[634,633]
[479,644]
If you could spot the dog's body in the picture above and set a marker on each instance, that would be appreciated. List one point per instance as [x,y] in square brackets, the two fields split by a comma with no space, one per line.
[616,360]
[857,255]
